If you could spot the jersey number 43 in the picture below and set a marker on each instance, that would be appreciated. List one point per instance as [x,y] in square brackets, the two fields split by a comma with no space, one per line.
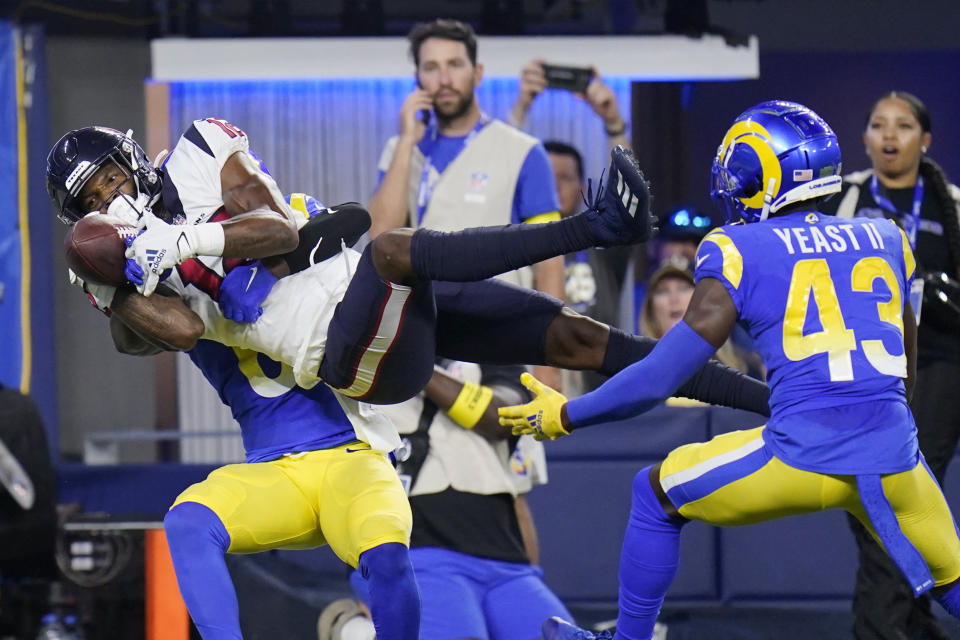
[835,339]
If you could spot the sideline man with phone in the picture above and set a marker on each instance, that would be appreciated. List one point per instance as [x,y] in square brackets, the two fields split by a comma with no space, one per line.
[463,169]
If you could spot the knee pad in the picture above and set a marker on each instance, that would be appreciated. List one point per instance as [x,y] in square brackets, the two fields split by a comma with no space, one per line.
[646,507]
[194,523]
[388,561]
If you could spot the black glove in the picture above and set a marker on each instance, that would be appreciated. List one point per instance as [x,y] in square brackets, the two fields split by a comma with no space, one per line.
[321,237]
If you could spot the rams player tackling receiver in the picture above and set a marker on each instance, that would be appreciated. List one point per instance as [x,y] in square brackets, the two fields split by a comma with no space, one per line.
[826,301]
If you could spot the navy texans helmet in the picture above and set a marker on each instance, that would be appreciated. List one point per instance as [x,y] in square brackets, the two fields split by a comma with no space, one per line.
[775,154]
[81,153]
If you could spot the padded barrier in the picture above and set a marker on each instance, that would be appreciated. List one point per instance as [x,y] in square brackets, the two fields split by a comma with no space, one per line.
[581,516]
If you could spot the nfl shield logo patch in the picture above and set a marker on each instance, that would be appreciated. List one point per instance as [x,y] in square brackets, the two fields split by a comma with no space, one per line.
[476,187]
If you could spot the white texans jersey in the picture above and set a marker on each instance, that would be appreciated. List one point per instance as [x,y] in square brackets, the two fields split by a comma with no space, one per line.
[296,313]
[299,307]
[192,191]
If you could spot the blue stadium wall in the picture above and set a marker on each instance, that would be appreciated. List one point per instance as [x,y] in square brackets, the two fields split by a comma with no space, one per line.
[26,302]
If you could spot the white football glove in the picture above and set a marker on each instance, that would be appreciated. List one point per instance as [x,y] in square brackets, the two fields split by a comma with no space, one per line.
[100,295]
[128,210]
[163,246]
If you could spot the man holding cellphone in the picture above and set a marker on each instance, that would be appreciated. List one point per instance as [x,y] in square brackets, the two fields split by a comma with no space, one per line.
[462,168]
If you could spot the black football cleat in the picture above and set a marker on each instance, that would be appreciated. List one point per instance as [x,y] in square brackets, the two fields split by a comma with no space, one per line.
[620,213]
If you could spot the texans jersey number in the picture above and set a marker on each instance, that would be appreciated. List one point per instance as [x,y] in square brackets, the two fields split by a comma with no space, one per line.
[835,339]
[230,129]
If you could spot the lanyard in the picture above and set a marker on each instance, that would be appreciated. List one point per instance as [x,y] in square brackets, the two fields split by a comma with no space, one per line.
[429,182]
[911,219]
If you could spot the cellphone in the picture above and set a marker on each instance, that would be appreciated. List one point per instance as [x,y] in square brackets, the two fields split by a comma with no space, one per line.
[573,79]
[425,117]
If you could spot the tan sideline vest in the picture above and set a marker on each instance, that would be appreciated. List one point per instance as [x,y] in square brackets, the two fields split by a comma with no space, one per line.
[477,187]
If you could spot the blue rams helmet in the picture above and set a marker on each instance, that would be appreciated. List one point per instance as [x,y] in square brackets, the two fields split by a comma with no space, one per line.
[80,153]
[775,154]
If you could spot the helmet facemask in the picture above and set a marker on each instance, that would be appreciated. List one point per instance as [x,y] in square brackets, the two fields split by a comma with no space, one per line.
[126,207]
[730,188]
[77,158]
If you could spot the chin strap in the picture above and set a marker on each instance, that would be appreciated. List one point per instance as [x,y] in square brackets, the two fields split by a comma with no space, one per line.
[818,188]
[768,199]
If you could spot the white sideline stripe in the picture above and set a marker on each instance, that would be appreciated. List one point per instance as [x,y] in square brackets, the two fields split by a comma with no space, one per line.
[697,470]
[386,334]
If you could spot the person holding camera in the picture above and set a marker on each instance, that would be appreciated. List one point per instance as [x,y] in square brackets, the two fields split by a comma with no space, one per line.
[908,187]
[585,83]
[593,280]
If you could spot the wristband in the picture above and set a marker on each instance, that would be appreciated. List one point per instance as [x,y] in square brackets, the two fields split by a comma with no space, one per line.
[470,404]
[615,131]
[205,239]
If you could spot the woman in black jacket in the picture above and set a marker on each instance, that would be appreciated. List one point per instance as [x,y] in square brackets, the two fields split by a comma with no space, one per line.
[907,186]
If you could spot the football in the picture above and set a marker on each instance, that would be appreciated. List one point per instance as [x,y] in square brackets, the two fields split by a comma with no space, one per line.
[95,249]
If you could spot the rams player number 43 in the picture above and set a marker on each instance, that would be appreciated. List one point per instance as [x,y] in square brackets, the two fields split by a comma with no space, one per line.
[826,302]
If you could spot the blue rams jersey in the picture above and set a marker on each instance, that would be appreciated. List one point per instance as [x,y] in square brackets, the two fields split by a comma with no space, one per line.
[275,415]
[823,298]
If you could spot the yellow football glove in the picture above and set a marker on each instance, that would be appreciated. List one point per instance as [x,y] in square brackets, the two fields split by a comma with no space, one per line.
[540,416]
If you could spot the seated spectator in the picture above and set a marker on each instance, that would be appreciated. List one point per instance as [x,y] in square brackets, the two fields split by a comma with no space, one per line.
[668,295]
[681,231]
